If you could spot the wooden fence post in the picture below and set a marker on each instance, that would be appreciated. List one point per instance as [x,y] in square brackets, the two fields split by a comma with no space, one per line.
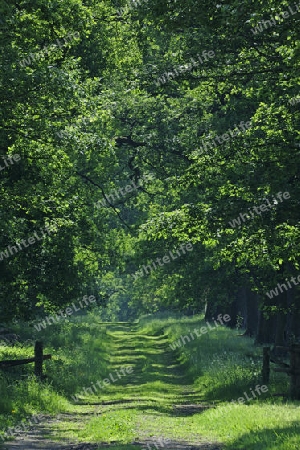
[295,372]
[266,365]
[38,356]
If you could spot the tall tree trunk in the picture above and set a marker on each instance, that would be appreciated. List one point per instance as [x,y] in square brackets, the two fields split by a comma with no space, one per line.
[252,302]
[212,310]
[266,329]
[293,332]
[238,309]
[281,321]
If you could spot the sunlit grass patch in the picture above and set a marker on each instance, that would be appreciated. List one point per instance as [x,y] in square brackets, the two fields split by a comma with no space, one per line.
[110,426]
[255,426]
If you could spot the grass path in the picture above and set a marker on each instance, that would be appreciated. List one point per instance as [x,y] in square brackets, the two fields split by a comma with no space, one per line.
[147,409]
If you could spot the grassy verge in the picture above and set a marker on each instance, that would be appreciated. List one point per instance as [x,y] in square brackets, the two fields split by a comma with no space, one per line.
[79,356]
[225,367]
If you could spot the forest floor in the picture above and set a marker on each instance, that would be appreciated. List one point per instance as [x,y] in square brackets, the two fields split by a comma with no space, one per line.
[148,409]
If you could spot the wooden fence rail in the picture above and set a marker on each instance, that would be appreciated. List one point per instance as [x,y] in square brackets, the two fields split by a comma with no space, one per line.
[292,369]
[38,359]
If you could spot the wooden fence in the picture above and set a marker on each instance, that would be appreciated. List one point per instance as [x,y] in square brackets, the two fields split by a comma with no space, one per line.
[292,369]
[38,360]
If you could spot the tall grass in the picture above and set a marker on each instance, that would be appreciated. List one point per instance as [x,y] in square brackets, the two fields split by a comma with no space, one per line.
[79,356]
[223,366]
[221,362]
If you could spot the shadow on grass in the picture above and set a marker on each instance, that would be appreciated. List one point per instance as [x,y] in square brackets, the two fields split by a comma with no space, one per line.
[151,406]
[269,439]
[152,360]
[158,380]
[119,447]
[155,445]
[233,391]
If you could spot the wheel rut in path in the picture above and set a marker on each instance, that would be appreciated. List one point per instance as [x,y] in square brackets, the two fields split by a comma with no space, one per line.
[157,384]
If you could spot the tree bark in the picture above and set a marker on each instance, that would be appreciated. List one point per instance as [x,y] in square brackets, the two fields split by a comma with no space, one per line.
[252,302]
[266,329]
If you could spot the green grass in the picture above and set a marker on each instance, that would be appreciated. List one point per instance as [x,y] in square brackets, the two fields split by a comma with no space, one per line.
[223,366]
[210,371]
[79,354]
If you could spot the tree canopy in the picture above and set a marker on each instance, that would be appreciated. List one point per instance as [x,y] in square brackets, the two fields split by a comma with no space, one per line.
[139,127]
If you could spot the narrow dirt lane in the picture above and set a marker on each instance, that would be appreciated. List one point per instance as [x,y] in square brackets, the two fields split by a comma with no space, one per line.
[157,389]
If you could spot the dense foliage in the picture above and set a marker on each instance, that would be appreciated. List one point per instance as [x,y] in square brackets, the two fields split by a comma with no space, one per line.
[141,127]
